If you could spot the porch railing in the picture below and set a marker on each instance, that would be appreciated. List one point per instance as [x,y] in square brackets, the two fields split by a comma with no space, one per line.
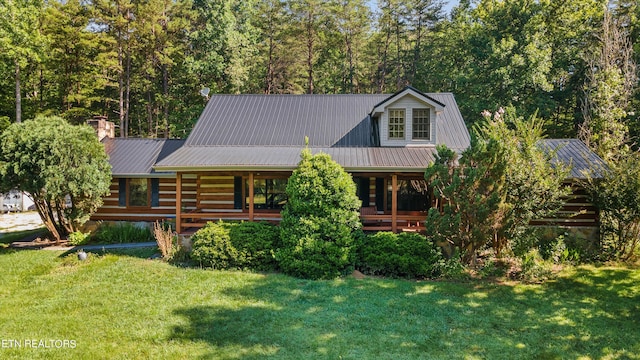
[190,222]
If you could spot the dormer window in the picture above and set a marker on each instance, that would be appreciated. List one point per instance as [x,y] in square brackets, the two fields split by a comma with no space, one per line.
[421,124]
[396,124]
[408,118]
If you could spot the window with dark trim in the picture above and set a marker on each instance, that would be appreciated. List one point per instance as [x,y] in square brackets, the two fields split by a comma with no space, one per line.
[421,124]
[268,193]
[413,195]
[396,124]
[139,192]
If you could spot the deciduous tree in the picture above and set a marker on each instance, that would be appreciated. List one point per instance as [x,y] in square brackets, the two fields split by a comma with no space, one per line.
[64,167]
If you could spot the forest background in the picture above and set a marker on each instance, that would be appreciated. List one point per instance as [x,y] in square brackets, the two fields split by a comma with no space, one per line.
[143,63]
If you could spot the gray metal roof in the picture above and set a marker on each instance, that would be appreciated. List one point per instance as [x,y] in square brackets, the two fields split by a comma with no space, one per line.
[575,154]
[268,131]
[328,121]
[390,98]
[287,158]
[136,157]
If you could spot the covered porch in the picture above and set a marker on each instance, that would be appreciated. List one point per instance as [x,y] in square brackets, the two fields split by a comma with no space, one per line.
[390,201]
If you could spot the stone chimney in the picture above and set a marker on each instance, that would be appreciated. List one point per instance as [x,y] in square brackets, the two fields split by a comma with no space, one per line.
[102,127]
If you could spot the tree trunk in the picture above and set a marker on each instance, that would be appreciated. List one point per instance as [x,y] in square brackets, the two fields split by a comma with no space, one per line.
[150,130]
[310,41]
[270,75]
[165,92]
[18,96]
[121,87]
[47,216]
[127,100]
[347,41]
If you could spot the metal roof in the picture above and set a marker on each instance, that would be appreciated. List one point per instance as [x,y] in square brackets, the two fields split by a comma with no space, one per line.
[328,121]
[406,90]
[136,157]
[268,131]
[576,155]
[286,158]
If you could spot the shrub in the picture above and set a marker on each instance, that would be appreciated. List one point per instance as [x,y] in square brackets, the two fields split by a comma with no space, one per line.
[319,219]
[211,246]
[236,245]
[617,196]
[534,268]
[408,255]
[79,238]
[256,242]
[120,233]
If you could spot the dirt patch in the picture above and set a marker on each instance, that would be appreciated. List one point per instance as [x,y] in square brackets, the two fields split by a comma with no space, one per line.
[358,275]
[21,221]
[37,243]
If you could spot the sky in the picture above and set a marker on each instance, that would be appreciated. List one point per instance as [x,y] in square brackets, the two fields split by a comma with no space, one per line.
[448,5]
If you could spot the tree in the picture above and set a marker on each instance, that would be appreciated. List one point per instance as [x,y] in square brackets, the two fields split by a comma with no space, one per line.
[64,168]
[319,219]
[20,39]
[617,196]
[222,44]
[609,88]
[534,180]
[75,79]
[471,195]
[115,17]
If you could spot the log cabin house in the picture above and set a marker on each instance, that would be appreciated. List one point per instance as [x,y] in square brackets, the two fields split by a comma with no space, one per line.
[235,163]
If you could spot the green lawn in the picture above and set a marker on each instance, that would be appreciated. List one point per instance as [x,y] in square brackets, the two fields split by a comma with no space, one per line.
[127,307]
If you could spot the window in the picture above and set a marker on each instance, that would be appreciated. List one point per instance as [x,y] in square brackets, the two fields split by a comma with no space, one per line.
[421,124]
[363,189]
[268,193]
[139,192]
[396,124]
[413,195]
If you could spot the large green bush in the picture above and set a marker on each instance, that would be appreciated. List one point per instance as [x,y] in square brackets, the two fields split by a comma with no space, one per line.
[319,219]
[408,255]
[63,167]
[236,245]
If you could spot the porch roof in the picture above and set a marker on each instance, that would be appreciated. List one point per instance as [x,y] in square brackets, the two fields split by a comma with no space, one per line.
[286,158]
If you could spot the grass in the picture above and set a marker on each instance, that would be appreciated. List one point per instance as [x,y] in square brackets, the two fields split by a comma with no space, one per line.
[123,306]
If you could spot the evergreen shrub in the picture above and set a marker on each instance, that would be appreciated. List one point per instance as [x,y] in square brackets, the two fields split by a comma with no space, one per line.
[408,255]
[245,245]
[319,220]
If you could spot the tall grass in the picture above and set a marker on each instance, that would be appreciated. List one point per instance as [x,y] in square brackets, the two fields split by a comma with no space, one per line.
[120,233]
[166,240]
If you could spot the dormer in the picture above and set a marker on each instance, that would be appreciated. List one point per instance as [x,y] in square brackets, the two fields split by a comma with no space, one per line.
[407,118]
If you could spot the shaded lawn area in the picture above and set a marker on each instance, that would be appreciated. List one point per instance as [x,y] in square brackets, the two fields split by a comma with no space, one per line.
[123,306]
[8,238]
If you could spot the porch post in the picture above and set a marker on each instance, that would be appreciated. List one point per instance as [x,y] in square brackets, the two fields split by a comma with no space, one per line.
[394,202]
[250,196]
[179,202]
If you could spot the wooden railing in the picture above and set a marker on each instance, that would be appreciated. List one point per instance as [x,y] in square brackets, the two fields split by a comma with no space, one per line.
[384,222]
[370,222]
